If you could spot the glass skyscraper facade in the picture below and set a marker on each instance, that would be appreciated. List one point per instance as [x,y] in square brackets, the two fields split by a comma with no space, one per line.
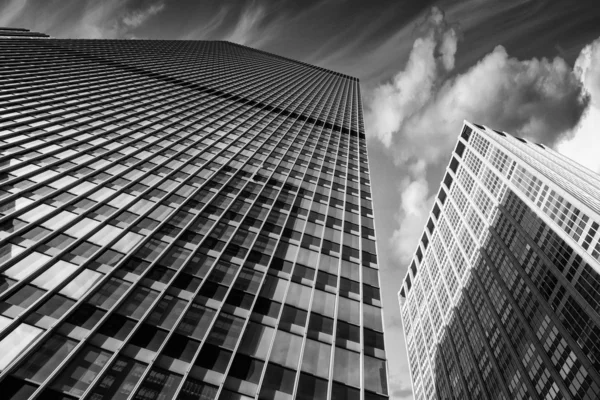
[183,219]
[502,297]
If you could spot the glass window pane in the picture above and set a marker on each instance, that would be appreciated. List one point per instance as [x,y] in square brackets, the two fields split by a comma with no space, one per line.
[310,388]
[197,390]
[119,380]
[286,349]
[81,284]
[109,293]
[226,331]
[54,275]
[299,295]
[278,383]
[15,342]
[27,266]
[44,361]
[349,310]
[346,367]
[158,384]
[323,303]
[274,288]
[138,302]
[372,317]
[375,375]
[316,358]
[256,341]
[196,321]
[167,311]
[81,371]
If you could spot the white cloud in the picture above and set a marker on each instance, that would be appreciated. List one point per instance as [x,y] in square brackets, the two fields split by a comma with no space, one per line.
[415,204]
[245,31]
[418,115]
[138,17]
[110,19]
[391,104]
[584,144]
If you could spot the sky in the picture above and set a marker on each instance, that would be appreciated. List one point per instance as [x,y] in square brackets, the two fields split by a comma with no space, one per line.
[528,67]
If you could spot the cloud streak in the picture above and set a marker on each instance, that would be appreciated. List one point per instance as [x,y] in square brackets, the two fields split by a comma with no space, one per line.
[138,17]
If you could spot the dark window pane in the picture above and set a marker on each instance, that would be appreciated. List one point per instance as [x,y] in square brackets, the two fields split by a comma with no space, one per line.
[167,311]
[196,321]
[310,388]
[46,359]
[81,371]
[16,389]
[158,385]
[246,368]
[226,331]
[108,294]
[181,347]
[197,390]
[213,357]
[277,379]
[256,340]
[55,307]
[138,302]
[119,380]
[149,337]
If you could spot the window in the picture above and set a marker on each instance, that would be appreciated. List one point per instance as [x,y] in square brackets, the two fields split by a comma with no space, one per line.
[256,340]
[226,331]
[246,368]
[119,380]
[197,390]
[196,321]
[298,295]
[311,388]
[46,359]
[180,347]
[277,379]
[158,384]
[316,358]
[213,358]
[375,375]
[81,371]
[109,293]
[286,349]
[346,367]
[137,303]
[166,313]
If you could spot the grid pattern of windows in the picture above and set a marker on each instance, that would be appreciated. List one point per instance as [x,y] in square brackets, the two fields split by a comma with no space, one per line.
[184,220]
[514,274]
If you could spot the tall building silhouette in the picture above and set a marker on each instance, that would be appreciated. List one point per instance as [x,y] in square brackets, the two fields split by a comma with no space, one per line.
[183,219]
[501,300]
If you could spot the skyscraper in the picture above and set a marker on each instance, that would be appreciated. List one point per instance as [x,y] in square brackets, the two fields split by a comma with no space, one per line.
[501,300]
[183,219]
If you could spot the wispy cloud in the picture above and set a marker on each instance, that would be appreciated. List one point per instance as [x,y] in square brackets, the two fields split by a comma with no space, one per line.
[138,17]
[10,11]
[85,19]
[246,30]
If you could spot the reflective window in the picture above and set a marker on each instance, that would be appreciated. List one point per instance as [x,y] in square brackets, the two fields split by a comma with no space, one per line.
[316,358]
[81,371]
[286,349]
[346,367]
[159,384]
[46,359]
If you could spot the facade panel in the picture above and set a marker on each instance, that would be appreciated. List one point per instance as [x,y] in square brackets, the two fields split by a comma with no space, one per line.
[501,298]
[183,219]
